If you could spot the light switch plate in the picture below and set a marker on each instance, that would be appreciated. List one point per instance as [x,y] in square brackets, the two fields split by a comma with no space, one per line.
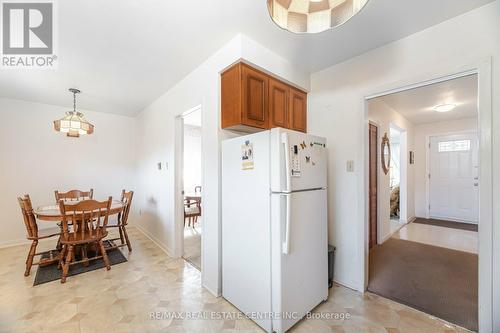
[350,166]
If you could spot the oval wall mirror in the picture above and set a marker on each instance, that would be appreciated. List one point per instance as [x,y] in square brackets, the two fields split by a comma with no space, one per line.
[386,154]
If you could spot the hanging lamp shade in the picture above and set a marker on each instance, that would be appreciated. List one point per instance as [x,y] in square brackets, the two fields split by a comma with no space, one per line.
[313,16]
[74,123]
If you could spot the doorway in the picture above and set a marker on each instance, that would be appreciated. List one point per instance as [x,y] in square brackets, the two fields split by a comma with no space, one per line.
[191,185]
[434,159]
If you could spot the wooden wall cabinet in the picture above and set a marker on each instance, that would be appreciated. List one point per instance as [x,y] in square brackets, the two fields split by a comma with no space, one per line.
[298,110]
[252,100]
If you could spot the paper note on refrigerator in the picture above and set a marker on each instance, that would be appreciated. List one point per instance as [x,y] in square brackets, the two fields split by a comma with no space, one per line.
[247,156]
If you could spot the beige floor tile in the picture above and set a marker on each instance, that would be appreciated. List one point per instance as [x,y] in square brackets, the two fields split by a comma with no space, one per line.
[124,299]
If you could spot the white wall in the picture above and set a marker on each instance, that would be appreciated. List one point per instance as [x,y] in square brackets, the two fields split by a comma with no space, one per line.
[37,160]
[422,133]
[383,115]
[156,142]
[336,111]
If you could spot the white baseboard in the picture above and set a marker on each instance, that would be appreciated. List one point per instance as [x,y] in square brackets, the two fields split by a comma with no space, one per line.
[410,220]
[348,284]
[386,237]
[216,293]
[155,240]
[15,242]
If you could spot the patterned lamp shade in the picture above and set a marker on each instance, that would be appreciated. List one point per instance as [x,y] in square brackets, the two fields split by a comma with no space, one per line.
[73,123]
[313,16]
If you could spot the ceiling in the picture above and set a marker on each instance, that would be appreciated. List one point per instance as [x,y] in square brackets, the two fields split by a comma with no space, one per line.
[125,54]
[417,104]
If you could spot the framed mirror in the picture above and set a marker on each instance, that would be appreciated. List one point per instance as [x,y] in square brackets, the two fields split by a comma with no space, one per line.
[386,154]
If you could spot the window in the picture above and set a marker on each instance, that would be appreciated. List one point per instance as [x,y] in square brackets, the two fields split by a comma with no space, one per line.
[449,146]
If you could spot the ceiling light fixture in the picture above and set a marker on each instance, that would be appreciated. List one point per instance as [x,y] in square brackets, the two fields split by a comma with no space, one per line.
[445,107]
[313,16]
[73,123]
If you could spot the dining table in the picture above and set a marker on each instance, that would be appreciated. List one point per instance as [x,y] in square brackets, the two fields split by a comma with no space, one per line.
[52,213]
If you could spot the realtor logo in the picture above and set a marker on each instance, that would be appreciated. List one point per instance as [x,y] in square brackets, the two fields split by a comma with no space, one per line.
[28,34]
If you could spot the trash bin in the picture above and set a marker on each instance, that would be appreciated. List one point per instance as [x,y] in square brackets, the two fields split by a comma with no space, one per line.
[331,261]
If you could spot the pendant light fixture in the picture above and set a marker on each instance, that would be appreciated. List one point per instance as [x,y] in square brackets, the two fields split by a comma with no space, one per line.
[73,123]
[313,16]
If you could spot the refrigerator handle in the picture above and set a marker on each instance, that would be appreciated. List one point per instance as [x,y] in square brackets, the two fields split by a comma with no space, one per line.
[288,171]
[286,244]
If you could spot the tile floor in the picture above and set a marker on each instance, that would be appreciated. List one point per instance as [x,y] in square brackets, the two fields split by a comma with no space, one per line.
[455,239]
[192,245]
[124,298]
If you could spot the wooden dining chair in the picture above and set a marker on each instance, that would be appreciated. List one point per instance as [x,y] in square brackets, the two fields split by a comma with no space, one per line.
[192,209]
[90,218]
[121,221]
[74,195]
[34,235]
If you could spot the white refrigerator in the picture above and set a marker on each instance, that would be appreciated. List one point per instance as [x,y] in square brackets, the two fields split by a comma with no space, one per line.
[274,226]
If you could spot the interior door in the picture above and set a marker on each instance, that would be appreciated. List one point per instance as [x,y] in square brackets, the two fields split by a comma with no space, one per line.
[454,177]
[300,277]
[373,199]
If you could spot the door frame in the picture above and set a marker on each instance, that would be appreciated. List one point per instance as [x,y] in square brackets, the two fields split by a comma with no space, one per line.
[403,175]
[179,182]
[483,68]
[378,241]
[428,166]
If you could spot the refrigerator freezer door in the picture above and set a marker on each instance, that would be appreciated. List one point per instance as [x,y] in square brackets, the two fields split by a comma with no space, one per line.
[246,230]
[306,157]
[299,278]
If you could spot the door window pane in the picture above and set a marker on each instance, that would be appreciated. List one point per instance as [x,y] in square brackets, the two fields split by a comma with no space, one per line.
[457,145]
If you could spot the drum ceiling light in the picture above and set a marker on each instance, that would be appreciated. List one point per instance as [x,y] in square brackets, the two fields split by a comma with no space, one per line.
[313,16]
[73,123]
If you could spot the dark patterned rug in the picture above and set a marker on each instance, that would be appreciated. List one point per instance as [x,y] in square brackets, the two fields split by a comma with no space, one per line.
[51,272]
[447,224]
[435,280]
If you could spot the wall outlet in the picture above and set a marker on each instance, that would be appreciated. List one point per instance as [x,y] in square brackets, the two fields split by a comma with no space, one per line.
[350,166]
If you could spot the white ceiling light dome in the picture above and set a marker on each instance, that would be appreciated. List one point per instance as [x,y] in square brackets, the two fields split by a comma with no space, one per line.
[313,16]
[445,107]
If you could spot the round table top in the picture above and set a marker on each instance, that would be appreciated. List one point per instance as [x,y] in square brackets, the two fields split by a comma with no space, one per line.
[52,212]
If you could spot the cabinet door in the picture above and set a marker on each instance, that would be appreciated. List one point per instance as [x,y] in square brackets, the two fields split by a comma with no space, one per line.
[278,104]
[255,98]
[298,110]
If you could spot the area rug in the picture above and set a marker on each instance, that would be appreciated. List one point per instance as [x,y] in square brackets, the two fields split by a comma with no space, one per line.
[435,280]
[51,272]
[447,224]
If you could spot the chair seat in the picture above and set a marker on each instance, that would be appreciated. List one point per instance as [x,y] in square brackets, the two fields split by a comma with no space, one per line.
[194,210]
[46,233]
[76,238]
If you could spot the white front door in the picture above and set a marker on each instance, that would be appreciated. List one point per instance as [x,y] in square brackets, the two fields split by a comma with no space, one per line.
[454,177]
